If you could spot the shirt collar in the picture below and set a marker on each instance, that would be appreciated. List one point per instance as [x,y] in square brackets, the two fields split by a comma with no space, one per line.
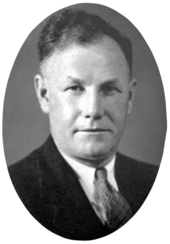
[86,173]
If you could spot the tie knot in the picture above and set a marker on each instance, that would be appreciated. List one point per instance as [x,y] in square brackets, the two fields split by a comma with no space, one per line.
[101,174]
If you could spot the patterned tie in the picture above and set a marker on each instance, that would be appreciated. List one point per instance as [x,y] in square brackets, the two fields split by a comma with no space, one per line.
[114,209]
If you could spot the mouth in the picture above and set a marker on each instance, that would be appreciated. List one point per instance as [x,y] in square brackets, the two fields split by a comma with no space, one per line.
[95,130]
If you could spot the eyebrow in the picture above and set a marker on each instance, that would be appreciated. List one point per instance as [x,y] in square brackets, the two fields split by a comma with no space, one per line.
[114,81]
[76,81]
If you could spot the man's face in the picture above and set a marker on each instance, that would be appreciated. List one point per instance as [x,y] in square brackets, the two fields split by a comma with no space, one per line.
[88,98]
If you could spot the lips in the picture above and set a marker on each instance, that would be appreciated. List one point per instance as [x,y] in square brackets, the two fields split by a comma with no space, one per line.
[94,130]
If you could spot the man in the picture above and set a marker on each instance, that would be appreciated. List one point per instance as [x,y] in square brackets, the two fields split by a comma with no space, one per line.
[76,184]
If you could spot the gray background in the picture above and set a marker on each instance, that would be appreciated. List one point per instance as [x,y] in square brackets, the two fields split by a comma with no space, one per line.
[25,127]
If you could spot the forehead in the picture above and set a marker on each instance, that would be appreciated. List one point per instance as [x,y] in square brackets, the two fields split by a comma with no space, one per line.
[104,55]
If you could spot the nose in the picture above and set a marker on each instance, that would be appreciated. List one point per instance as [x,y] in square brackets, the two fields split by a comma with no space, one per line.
[93,106]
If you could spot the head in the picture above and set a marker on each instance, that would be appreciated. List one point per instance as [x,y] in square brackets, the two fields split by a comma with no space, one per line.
[85,84]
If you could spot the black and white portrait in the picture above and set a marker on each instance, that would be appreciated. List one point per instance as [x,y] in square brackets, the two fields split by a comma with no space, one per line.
[84,122]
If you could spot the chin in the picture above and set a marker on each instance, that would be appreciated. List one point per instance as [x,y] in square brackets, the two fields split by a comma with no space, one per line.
[96,152]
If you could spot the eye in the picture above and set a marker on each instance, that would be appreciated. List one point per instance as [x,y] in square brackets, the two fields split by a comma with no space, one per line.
[75,88]
[109,90]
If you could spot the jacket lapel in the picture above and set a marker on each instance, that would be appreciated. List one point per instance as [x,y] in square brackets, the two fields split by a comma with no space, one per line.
[68,207]
[128,174]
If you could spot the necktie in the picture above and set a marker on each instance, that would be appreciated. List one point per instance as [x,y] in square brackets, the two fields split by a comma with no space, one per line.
[114,209]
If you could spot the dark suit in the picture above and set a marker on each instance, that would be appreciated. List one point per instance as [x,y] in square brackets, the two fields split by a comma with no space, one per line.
[51,192]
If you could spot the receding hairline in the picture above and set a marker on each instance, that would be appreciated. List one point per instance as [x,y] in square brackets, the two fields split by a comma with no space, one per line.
[80,27]
[69,44]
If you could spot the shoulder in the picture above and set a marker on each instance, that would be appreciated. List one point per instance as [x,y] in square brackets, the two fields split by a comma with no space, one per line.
[135,179]
[29,165]
[33,180]
[25,178]
[38,170]
[24,175]
[135,166]
[25,166]
[135,174]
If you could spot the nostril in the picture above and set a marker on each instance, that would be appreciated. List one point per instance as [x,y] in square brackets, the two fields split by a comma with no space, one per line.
[93,116]
[97,117]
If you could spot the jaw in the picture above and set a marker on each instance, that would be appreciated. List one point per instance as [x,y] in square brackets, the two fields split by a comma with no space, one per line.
[96,159]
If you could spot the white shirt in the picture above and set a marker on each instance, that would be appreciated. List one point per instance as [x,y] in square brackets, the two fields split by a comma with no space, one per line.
[86,177]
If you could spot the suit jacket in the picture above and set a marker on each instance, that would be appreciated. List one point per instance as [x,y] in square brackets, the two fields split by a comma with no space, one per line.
[50,190]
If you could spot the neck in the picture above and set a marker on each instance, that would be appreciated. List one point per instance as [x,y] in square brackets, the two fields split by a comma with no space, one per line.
[97,162]
[94,163]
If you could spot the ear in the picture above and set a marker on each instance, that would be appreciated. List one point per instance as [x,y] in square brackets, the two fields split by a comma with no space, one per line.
[42,92]
[132,89]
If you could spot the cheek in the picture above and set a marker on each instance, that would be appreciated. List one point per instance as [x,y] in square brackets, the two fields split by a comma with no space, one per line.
[62,110]
[117,108]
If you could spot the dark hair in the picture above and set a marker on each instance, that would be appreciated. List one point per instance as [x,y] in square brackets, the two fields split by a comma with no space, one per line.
[82,28]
